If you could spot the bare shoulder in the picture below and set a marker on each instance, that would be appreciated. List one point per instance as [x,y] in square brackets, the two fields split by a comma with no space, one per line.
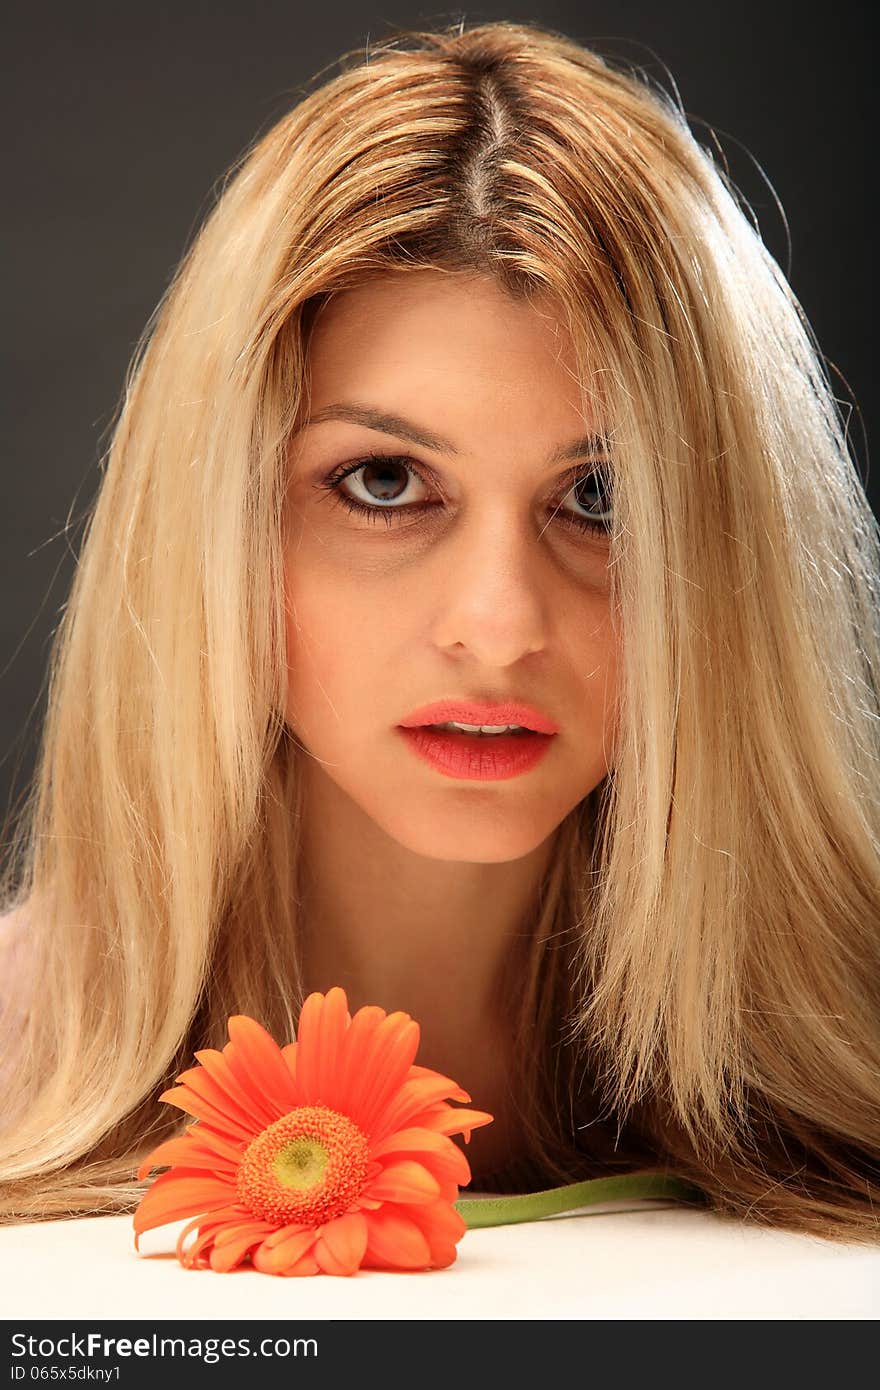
[12,921]
[16,992]
[16,972]
[13,936]
[8,922]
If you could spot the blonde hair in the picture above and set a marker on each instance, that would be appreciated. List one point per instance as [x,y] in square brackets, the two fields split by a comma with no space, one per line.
[700,991]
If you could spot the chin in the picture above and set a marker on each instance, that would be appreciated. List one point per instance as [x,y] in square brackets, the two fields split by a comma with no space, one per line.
[469,839]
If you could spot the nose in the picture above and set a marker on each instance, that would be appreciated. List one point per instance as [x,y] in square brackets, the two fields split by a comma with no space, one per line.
[491,602]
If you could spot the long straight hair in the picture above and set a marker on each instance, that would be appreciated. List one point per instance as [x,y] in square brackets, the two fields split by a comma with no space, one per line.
[701,989]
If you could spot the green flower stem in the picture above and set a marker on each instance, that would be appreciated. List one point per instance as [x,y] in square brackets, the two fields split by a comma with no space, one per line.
[532,1206]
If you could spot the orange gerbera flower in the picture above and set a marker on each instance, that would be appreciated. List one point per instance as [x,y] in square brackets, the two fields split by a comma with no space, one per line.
[327,1155]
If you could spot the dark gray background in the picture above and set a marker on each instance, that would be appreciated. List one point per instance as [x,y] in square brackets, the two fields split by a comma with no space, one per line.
[122,117]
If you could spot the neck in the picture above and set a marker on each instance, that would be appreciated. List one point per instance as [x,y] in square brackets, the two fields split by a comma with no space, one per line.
[403,931]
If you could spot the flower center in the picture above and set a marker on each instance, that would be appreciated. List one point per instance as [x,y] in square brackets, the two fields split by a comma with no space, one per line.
[300,1163]
[308,1166]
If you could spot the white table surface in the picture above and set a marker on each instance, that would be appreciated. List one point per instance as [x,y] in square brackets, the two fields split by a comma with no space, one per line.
[649,1260]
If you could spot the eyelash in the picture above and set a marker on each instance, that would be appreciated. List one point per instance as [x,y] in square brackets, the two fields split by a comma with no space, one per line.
[352,504]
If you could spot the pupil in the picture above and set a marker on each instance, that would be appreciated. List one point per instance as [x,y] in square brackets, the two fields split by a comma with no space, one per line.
[388,486]
[589,504]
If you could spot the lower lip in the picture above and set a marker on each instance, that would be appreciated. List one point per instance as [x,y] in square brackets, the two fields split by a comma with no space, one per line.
[494,758]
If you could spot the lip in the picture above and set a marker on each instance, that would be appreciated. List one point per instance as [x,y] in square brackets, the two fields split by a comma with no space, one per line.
[482,712]
[492,759]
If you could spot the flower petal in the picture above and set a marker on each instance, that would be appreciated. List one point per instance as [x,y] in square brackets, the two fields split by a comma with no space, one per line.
[208,1229]
[323,1024]
[282,1233]
[340,1246]
[437,1151]
[385,1063]
[232,1244]
[440,1222]
[181,1150]
[442,1227]
[453,1119]
[279,1257]
[230,1150]
[216,1093]
[180,1192]
[448,1181]
[236,1222]
[196,1256]
[255,1058]
[191,1150]
[352,1053]
[417,1073]
[186,1098]
[249,1099]
[416,1094]
[181,1239]
[288,1052]
[395,1242]
[404,1181]
[306,1264]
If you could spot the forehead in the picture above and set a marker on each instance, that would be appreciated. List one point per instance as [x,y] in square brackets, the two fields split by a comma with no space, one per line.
[431,328]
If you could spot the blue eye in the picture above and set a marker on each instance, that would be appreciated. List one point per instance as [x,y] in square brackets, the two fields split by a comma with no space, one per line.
[384,478]
[592,492]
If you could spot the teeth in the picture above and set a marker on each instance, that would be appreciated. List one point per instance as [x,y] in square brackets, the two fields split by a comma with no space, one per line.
[479,728]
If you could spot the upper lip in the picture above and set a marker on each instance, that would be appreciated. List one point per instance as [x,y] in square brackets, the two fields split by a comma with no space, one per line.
[481,712]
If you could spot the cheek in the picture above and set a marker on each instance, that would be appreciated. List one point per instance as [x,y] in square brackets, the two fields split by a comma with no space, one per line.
[317,637]
[596,657]
[338,646]
[607,655]
[609,689]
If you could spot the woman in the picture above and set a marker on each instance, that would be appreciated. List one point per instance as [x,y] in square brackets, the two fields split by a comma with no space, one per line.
[490,288]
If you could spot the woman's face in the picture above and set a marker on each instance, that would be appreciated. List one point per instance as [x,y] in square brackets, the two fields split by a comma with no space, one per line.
[469,577]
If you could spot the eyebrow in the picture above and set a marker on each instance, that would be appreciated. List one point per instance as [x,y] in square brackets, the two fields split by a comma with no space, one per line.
[587,446]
